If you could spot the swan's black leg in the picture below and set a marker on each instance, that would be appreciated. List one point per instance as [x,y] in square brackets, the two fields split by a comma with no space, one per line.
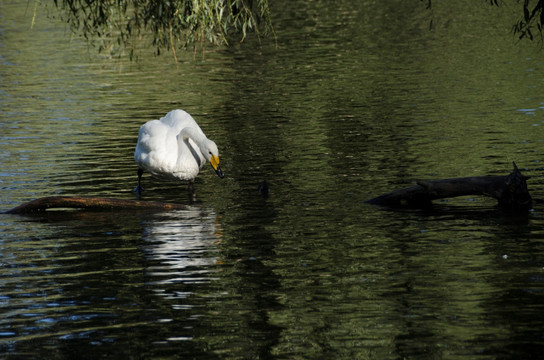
[139,188]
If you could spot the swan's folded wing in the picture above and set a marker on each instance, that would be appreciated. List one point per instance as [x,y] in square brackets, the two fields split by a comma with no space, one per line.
[156,150]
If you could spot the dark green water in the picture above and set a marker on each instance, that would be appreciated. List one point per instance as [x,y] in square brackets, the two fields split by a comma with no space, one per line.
[357,99]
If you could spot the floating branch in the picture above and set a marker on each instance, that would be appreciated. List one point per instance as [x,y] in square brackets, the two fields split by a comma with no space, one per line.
[89,203]
[510,191]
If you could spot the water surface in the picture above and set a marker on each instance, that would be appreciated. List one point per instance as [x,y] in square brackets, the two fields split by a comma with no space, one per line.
[354,101]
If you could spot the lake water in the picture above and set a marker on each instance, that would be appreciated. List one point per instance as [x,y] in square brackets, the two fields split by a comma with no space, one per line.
[355,99]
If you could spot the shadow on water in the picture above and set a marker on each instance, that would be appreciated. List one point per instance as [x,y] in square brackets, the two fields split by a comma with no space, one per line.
[454,269]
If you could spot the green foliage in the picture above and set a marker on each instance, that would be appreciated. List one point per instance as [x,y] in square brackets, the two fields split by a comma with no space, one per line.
[533,16]
[171,24]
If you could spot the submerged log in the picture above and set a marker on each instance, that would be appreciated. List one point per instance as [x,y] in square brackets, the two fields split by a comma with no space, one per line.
[89,203]
[510,191]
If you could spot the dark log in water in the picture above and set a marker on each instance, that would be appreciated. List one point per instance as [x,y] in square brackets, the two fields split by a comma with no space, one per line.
[89,203]
[510,191]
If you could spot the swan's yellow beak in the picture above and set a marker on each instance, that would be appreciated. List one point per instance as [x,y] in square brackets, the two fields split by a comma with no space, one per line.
[215,164]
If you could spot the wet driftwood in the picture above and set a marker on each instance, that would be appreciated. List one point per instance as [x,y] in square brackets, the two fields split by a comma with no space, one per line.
[509,190]
[89,203]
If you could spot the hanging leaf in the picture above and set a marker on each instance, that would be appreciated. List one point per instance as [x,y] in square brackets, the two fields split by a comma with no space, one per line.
[166,24]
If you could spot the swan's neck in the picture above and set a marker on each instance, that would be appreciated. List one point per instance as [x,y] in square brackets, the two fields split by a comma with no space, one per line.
[190,133]
[189,144]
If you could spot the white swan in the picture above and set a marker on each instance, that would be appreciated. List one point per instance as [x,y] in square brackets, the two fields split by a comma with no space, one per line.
[175,148]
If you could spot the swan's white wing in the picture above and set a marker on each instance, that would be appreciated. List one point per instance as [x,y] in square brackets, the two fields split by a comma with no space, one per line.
[179,119]
[157,148]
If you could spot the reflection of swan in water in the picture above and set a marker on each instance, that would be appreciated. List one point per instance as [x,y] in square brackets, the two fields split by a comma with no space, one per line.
[180,249]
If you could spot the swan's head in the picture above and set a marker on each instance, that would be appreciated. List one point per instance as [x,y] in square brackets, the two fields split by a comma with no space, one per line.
[211,153]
